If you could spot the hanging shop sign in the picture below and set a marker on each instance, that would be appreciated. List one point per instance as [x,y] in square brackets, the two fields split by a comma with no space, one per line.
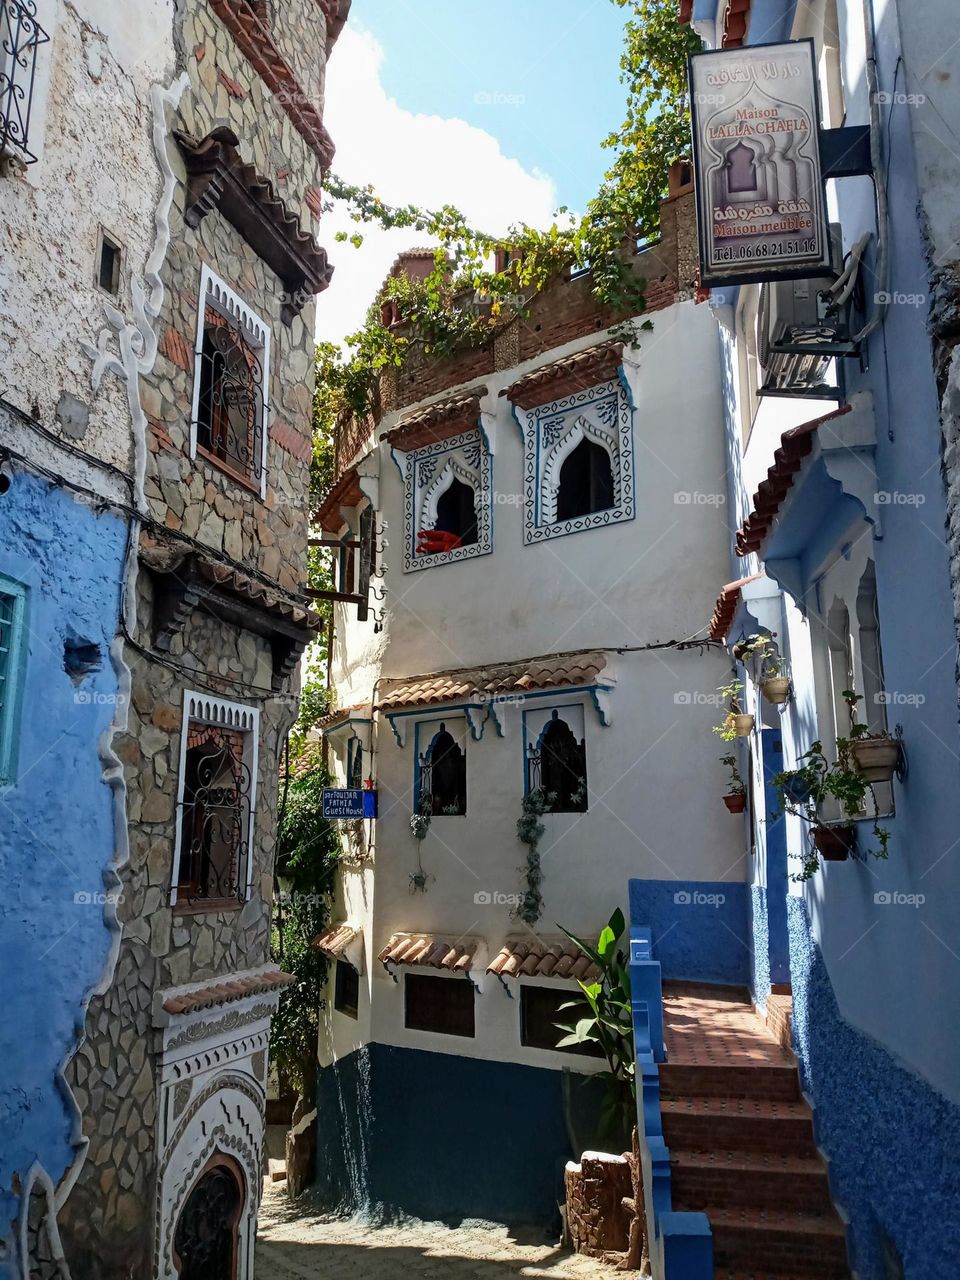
[349,802]
[761,213]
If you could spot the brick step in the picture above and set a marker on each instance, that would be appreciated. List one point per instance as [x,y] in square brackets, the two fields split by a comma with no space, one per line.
[759,1180]
[780,1241]
[770,1082]
[742,1124]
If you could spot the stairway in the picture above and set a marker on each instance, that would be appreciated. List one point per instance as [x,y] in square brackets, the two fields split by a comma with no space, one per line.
[741,1141]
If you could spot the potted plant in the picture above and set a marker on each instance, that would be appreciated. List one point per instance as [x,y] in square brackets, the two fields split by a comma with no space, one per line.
[805,790]
[876,755]
[771,669]
[736,796]
[736,723]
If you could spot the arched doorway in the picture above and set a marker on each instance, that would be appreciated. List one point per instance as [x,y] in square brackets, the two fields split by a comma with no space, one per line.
[205,1241]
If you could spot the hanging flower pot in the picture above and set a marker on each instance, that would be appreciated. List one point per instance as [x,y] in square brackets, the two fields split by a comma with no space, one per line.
[776,689]
[795,787]
[835,844]
[876,758]
[742,725]
[736,801]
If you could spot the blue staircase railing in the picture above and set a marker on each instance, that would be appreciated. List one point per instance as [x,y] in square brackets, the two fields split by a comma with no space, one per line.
[680,1245]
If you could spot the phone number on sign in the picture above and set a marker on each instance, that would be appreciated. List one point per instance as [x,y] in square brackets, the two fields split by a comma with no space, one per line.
[766,249]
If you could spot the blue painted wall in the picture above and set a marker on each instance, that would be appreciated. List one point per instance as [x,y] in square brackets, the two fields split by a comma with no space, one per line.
[701,928]
[404,1131]
[892,1141]
[56,821]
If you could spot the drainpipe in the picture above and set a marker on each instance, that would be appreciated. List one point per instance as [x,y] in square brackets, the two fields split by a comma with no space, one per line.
[879,179]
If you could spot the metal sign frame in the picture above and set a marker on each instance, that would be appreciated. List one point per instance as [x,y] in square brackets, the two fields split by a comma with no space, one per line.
[346,804]
[817,261]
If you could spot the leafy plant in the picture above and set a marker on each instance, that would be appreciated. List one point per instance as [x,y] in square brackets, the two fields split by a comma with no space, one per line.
[530,831]
[762,649]
[607,1021]
[736,786]
[308,851]
[420,823]
[859,732]
[729,693]
[817,781]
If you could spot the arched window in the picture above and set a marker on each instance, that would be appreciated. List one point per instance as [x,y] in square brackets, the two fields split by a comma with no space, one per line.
[563,768]
[457,513]
[841,665]
[443,776]
[205,1241]
[355,770]
[871,659]
[586,482]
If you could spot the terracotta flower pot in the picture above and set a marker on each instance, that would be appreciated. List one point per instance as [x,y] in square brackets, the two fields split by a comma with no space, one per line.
[876,758]
[776,689]
[835,844]
[743,725]
[736,802]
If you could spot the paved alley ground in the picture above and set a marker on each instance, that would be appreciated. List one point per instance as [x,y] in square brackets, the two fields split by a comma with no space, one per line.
[294,1244]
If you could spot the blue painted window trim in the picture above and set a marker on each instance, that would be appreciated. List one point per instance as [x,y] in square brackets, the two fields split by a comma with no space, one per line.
[420,463]
[13,608]
[433,737]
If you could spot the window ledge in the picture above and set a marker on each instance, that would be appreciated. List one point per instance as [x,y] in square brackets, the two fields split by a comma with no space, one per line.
[226,469]
[208,906]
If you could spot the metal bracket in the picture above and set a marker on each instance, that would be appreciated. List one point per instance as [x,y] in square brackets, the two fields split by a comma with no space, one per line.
[845,153]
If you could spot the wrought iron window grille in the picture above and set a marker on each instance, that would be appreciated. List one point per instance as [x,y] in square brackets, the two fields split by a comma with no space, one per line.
[230,417]
[215,816]
[20,37]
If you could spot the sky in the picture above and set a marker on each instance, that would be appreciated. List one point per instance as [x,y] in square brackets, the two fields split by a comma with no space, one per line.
[496,106]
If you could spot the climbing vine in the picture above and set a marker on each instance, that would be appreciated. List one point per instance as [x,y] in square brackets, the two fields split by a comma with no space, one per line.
[462,301]
[530,831]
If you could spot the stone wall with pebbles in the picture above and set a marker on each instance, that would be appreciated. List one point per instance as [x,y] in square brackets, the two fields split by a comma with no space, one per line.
[108,1221]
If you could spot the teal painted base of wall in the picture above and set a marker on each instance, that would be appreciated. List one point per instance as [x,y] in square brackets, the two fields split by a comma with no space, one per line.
[435,1136]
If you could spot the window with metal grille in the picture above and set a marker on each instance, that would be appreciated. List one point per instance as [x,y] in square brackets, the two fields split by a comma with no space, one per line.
[21,36]
[443,776]
[542,1019]
[444,1005]
[216,802]
[557,765]
[13,607]
[231,382]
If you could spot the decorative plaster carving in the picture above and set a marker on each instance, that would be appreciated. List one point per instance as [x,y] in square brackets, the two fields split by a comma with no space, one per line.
[427,472]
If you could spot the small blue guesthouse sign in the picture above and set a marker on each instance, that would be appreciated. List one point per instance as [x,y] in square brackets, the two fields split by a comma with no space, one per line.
[349,802]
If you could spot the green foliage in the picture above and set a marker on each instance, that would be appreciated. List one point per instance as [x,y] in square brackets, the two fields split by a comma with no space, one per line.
[761,650]
[462,301]
[530,831]
[818,781]
[735,787]
[607,1021]
[307,854]
[730,693]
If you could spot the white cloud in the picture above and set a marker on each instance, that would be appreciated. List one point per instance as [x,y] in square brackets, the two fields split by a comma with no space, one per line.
[426,160]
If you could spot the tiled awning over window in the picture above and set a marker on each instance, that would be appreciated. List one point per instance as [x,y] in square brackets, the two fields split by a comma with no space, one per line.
[573,373]
[224,990]
[430,951]
[437,422]
[336,940]
[529,957]
[499,680]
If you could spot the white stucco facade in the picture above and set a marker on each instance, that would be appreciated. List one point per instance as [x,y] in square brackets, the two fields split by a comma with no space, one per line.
[622,589]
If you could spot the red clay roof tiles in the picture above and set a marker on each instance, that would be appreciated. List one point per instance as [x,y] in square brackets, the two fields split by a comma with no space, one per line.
[795,445]
[502,679]
[335,941]
[727,603]
[429,951]
[437,421]
[223,990]
[529,957]
[577,372]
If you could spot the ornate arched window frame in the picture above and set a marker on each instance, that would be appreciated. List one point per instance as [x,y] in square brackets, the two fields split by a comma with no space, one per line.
[602,413]
[427,473]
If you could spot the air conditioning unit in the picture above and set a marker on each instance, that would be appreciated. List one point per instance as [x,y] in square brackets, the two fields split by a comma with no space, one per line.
[796,339]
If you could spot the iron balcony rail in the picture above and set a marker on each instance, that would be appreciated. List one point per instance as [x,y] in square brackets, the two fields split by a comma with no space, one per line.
[20,37]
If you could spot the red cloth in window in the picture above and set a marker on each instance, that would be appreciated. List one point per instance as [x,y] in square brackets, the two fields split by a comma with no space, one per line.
[430,541]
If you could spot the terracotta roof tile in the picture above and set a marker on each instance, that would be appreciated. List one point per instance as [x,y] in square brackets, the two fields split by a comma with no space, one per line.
[270,601]
[223,990]
[530,957]
[577,372]
[335,941]
[727,603]
[795,445]
[686,12]
[735,22]
[327,722]
[345,493]
[437,422]
[504,679]
[429,951]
